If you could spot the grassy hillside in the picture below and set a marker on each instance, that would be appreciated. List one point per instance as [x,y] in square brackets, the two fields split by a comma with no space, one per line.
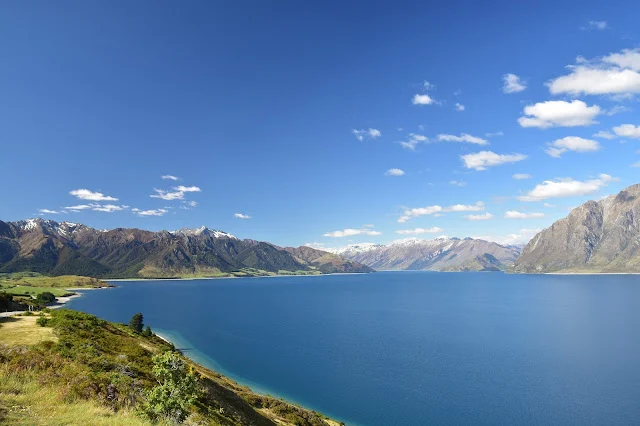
[74,368]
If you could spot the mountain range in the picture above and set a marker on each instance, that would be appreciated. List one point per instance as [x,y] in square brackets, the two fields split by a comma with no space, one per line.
[598,236]
[439,254]
[61,248]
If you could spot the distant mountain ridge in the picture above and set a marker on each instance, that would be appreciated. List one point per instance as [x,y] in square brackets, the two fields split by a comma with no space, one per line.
[439,254]
[59,248]
[598,236]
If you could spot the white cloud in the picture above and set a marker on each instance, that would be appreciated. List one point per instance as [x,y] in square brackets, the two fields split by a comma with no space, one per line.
[79,207]
[547,205]
[436,210]
[596,25]
[512,214]
[108,208]
[566,188]
[423,99]
[459,107]
[418,231]
[419,211]
[512,84]
[521,176]
[627,131]
[170,177]
[485,216]
[521,237]
[85,194]
[464,137]
[349,232]
[413,141]
[483,159]
[241,216]
[457,183]
[559,114]
[616,74]
[187,205]
[47,211]
[604,134]
[394,172]
[492,134]
[156,212]
[571,143]
[477,207]
[616,110]
[167,195]
[637,164]
[187,188]
[363,134]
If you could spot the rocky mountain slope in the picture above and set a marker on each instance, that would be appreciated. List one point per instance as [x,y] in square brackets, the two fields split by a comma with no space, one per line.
[64,248]
[440,254]
[598,236]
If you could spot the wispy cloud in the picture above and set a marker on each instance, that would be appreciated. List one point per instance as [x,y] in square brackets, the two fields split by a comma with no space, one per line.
[156,212]
[47,211]
[521,176]
[241,216]
[85,194]
[459,107]
[349,232]
[413,140]
[418,231]
[595,25]
[485,159]
[167,195]
[170,177]
[187,188]
[475,217]
[512,214]
[436,209]
[464,137]
[363,134]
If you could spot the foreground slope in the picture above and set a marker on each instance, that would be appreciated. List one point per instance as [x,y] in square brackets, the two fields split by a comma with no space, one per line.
[80,370]
[66,248]
[439,254]
[599,236]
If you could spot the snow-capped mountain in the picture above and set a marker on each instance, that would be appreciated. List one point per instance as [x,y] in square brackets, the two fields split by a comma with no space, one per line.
[61,248]
[438,254]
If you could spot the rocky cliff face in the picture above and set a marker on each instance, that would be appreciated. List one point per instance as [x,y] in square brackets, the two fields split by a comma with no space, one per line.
[68,248]
[599,236]
[440,254]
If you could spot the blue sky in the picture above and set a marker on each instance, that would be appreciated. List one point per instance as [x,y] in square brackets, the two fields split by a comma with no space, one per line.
[284,121]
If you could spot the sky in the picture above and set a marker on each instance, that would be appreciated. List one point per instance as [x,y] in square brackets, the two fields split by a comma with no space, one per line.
[322,123]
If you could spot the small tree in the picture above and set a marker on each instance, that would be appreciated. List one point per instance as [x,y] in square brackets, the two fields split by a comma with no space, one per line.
[45,298]
[176,391]
[136,323]
[147,332]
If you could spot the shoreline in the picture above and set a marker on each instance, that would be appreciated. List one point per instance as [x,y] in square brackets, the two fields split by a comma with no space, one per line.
[210,364]
[115,280]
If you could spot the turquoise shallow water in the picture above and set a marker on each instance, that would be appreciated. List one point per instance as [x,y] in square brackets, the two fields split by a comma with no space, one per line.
[411,348]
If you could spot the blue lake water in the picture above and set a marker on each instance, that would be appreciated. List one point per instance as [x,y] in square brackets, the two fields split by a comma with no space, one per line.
[410,348]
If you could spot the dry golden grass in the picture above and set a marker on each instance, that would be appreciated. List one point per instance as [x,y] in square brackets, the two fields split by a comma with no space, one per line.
[24,331]
[23,401]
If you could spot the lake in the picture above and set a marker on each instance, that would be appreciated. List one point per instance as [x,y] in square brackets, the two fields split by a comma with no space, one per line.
[410,348]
